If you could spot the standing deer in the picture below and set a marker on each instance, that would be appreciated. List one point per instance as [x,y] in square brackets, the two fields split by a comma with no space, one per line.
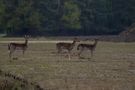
[90,47]
[15,46]
[66,46]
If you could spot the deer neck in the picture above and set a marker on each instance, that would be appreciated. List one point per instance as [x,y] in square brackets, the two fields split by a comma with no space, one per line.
[73,42]
[26,42]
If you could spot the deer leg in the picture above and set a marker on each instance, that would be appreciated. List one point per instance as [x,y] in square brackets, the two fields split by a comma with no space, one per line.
[10,53]
[91,53]
[59,50]
[69,56]
[9,48]
[79,54]
[23,52]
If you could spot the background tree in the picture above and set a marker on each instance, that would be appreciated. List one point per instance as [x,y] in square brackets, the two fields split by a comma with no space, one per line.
[21,17]
[2,13]
[65,17]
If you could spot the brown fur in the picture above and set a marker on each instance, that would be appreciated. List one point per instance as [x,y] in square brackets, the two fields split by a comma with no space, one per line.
[66,46]
[90,47]
[21,46]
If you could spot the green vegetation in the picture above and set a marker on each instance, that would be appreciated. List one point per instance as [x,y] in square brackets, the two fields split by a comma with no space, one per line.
[65,17]
[113,66]
[11,84]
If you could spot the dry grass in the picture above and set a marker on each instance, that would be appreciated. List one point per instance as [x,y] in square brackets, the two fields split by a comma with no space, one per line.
[111,68]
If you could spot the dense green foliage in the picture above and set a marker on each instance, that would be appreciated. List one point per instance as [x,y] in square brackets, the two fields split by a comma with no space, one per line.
[65,17]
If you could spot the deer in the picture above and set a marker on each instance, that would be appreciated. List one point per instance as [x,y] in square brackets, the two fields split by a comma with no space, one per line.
[66,46]
[90,47]
[12,47]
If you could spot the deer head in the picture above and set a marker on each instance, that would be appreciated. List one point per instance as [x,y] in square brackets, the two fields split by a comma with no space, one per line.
[26,37]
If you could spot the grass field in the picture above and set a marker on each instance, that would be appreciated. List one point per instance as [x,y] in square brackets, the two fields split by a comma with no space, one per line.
[111,68]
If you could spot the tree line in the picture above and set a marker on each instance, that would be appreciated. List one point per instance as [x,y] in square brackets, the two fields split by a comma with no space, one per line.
[65,17]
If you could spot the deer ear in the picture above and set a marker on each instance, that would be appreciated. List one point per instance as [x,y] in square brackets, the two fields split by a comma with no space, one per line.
[26,36]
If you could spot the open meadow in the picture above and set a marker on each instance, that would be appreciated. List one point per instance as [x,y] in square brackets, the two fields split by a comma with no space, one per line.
[111,68]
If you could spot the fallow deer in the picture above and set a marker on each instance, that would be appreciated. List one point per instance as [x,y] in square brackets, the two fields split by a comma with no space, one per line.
[90,47]
[12,47]
[66,46]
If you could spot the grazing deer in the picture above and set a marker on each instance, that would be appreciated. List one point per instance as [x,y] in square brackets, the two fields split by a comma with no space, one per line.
[21,46]
[90,47]
[66,46]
